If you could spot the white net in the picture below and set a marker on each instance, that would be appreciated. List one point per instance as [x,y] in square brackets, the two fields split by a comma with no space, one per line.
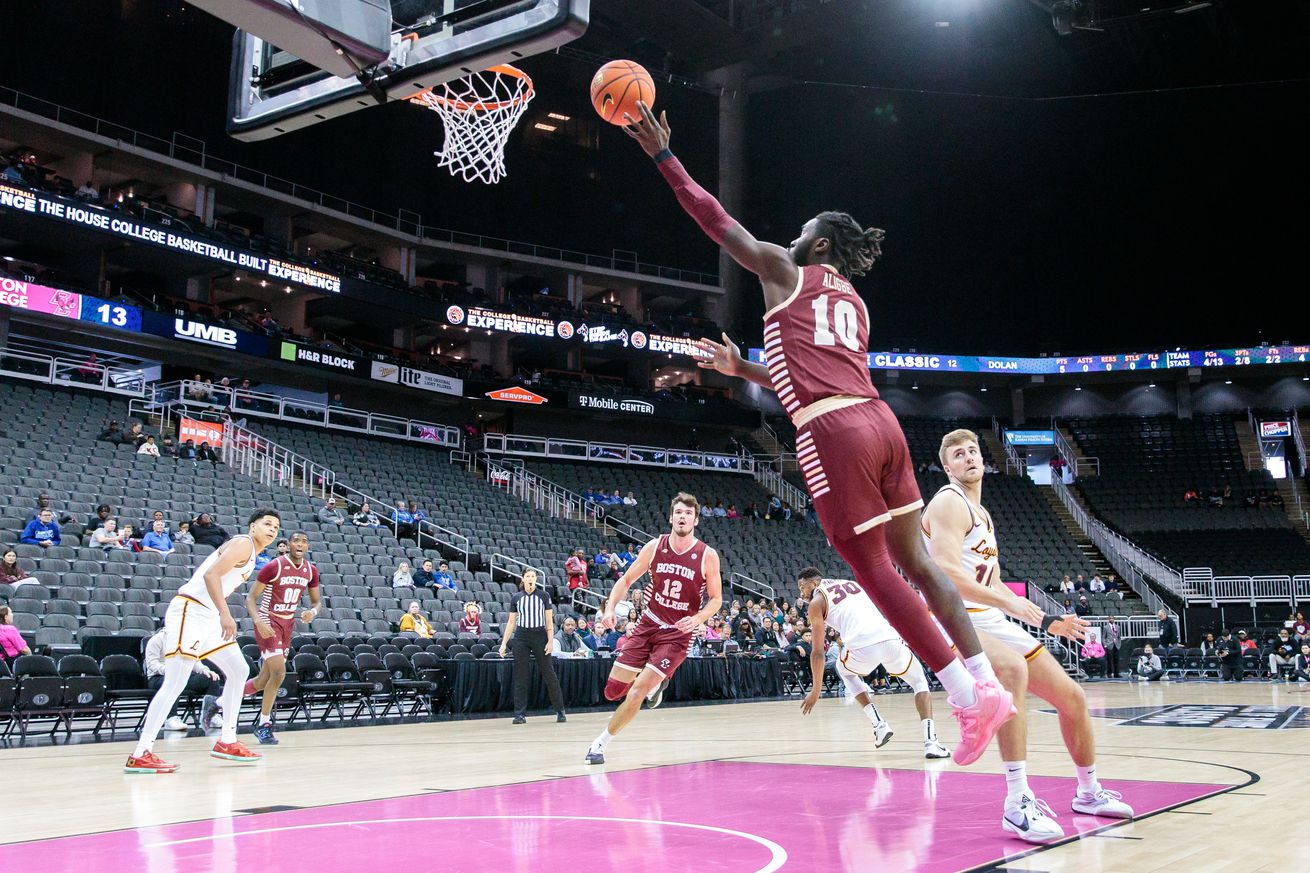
[478,113]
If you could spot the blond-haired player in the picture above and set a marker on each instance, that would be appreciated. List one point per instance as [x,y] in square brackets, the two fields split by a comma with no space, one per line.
[962,540]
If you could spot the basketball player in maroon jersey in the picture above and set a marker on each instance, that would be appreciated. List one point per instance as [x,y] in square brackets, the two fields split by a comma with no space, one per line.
[272,601]
[848,442]
[684,572]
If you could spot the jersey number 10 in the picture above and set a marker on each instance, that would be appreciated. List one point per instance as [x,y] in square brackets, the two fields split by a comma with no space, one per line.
[845,323]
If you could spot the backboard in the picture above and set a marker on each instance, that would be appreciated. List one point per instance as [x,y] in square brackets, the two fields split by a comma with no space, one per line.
[432,41]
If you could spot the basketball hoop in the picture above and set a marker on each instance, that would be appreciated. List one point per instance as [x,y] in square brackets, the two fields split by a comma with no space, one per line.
[478,113]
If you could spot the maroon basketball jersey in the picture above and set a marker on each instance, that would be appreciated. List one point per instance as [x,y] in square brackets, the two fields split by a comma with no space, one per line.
[284,583]
[677,583]
[816,343]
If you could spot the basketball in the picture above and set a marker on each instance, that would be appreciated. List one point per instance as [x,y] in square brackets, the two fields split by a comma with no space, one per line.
[616,88]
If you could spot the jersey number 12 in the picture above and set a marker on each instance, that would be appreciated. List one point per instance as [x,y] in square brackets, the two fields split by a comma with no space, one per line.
[845,324]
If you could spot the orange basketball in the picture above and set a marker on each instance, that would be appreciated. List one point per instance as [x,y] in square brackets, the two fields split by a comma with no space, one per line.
[616,88]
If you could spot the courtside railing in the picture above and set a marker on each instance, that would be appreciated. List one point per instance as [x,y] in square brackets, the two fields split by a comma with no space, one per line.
[1129,561]
[742,582]
[269,463]
[191,395]
[550,497]
[615,453]
[1245,589]
[70,373]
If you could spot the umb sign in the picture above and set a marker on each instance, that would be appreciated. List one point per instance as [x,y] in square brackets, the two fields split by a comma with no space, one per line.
[517,395]
[200,432]
[1275,429]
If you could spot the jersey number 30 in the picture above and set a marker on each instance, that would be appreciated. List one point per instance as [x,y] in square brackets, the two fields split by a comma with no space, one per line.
[845,323]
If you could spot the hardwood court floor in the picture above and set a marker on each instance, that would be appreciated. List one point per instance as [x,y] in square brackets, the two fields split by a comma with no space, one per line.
[745,787]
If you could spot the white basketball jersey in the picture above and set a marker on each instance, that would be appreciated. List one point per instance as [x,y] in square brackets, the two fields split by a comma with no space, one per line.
[196,589]
[854,614]
[980,556]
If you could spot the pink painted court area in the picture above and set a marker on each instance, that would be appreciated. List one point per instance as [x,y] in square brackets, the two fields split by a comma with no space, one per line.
[714,816]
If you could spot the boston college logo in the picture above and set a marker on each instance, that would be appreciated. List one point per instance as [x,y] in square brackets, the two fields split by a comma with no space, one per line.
[455,314]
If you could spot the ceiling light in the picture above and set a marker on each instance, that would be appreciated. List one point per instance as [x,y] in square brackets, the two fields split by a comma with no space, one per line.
[1192,7]
[1152,385]
[983,388]
[914,387]
[1078,388]
[1228,381]
[558,117]
[549,128]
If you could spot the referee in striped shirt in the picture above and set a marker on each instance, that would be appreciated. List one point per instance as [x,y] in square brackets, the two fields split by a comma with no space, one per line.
[531,633]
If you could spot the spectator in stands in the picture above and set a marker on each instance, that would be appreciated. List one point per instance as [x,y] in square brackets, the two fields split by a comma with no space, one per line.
[1276,500]
[44,502]
[567,642]
[1149,666]
[1111,640]
[1093,657]
[206,453]
[1208,645]
[732,511]
[1301,669]
[602,560]
[771,636]
[745,637]
[706,511]
[1079,583]
[42,531]
[206,533]
[471,621]
[158,539]
[719,510]
[87,193]
[787,514]
[330,513]
[1244,642]
[403,521]
[714,628]
[183,535]
[752,511]
[168,449]
[104,512]
[1228,492]
[112,433]
[1168,632]
[12,573]
[133,436]
[148,448]
[419,517]
[188,451]
[365,517]
[1215,500]
[1230,658]
[425,575]
[443,578]
[630,500]
[402,578]
[1082,607]
[202,680]
[1112,586]
[12,643]
[1191,495]
[130,540]
[774,509]
[414,622]
[576,570]
[1066,585]
[108,536]
[1066,607]
[627,556]
[611,639]
[1098,584]
[1282,654]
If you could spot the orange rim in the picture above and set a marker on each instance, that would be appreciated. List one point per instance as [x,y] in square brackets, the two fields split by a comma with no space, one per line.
[480,106]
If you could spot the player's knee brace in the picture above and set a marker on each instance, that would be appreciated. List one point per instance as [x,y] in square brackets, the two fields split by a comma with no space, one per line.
[616,690]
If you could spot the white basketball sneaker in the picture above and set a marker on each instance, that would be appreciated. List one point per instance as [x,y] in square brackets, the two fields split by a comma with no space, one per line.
[934,749]
[1105,803]
[882,734]
[1031,820]
[176,724]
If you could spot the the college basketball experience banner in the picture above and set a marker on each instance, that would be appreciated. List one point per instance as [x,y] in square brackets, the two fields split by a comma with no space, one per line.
[95,217]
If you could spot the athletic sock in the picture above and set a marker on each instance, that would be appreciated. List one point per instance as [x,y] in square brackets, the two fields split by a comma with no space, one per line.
[599,744]
[929,734]
[265,719]
[1087,781]
[980,668]
[872,712]
[1016,780]
[959,684]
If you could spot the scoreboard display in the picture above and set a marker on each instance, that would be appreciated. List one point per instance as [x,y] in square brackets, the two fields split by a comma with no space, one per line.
[1080,364]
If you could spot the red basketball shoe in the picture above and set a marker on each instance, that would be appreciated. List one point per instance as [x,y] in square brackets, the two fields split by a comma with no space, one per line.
[249,688]
[148,763]
[234,751]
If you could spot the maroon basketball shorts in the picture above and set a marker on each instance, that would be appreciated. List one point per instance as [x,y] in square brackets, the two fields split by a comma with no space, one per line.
[280,641]
[662,649]
[857,466]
